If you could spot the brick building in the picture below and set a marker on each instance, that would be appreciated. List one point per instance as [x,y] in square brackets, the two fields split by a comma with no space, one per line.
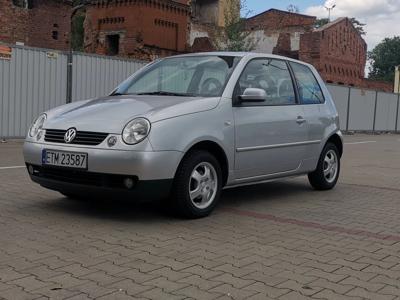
[206,17]
[278,32]
[36,23]
[136,28]
[338,51]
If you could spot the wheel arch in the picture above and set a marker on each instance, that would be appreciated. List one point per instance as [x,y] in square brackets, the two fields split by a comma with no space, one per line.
[337,140]
[215,149]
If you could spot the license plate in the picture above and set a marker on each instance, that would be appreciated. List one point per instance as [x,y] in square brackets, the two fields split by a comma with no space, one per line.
[64,159]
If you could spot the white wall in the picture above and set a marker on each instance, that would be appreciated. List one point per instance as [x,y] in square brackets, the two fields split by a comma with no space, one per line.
[266,42]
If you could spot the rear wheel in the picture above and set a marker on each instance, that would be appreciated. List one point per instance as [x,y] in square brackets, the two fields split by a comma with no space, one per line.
[197,185]
[327,173]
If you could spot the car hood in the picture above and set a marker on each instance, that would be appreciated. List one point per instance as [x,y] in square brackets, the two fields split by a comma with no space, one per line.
[110,114]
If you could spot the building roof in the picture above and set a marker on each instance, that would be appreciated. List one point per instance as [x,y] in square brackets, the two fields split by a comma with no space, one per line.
[178,3]
[272,10]
[334,23]
[330,24]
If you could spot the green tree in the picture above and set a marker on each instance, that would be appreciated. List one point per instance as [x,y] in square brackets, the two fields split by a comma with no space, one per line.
[384,58]
[234,36]
[358,25]
[77,29]
[293,8]
[321,22]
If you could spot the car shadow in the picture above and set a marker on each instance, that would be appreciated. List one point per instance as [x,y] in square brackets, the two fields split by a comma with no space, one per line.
[111,209]
[150,211]
[267,193]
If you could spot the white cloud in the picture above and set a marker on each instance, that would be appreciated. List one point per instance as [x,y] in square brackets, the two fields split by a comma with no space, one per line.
[381,16]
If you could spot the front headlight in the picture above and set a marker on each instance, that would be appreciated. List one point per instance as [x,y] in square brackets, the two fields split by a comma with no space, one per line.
[37,125]
[136,131]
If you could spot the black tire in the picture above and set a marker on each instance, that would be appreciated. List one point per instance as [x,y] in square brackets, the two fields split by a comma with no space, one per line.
[180,199]
[317,178]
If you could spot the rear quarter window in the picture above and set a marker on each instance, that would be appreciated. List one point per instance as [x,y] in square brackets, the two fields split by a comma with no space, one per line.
[309,89]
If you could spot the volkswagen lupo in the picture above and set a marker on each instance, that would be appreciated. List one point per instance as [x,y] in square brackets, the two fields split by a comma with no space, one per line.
[185,127]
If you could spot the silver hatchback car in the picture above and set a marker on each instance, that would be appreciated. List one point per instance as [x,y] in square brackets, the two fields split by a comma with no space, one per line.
[187,126]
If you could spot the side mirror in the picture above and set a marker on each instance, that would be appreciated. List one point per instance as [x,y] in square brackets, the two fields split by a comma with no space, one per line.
[253,95]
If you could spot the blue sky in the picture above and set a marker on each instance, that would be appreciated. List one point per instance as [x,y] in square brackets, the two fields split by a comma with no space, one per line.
[257,6]
[381,16]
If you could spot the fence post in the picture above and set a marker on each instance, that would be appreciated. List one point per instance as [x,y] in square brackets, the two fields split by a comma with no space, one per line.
[376,104]
[348,109]
[397,114]
[69,77]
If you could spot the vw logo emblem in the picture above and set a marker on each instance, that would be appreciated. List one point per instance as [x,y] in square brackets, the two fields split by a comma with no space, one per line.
[70,135]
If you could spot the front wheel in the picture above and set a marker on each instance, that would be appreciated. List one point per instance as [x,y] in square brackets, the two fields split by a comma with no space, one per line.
[197,185]
[327,173]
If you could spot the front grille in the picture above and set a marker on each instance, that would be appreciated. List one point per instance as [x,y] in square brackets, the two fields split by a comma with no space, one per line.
[82,177]
[82,137]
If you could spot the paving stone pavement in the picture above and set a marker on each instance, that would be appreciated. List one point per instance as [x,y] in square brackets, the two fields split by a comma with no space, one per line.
[279,240]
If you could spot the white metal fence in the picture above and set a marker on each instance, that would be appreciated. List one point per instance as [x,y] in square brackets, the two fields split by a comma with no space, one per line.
[366,110]
[30,82]
[34,80]
[95,75]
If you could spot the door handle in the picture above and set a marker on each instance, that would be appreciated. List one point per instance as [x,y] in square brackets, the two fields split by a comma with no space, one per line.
[300,120]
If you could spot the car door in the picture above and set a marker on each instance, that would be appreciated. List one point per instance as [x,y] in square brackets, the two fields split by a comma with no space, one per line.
[315,111]
[270,135]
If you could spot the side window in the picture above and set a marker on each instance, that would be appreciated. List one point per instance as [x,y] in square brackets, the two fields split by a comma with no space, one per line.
[212,81]
[309,90]
[271,75]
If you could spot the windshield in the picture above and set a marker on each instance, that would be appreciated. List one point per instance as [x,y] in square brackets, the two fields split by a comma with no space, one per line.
[195,76]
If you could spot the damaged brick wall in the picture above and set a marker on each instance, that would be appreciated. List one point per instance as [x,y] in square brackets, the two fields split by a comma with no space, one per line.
[44,23]
[377,85]
[207,17]
[284,46]
[144,29]
[13,25]
[278,32]
[338,52]
[276,20]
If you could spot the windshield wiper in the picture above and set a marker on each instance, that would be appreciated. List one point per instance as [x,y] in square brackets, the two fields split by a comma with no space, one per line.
[119,94]
[163,93]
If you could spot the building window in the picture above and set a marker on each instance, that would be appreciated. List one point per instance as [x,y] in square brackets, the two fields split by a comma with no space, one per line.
[23,3]
[54,35]
[113,44]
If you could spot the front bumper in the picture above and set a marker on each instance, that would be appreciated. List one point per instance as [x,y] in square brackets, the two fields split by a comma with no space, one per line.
[106,169]
[87,184]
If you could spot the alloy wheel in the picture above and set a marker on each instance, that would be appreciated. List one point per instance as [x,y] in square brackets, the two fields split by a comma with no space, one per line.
[330,166]
[203,185]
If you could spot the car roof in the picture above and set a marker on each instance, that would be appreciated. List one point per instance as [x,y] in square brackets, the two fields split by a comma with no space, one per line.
[241,54]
